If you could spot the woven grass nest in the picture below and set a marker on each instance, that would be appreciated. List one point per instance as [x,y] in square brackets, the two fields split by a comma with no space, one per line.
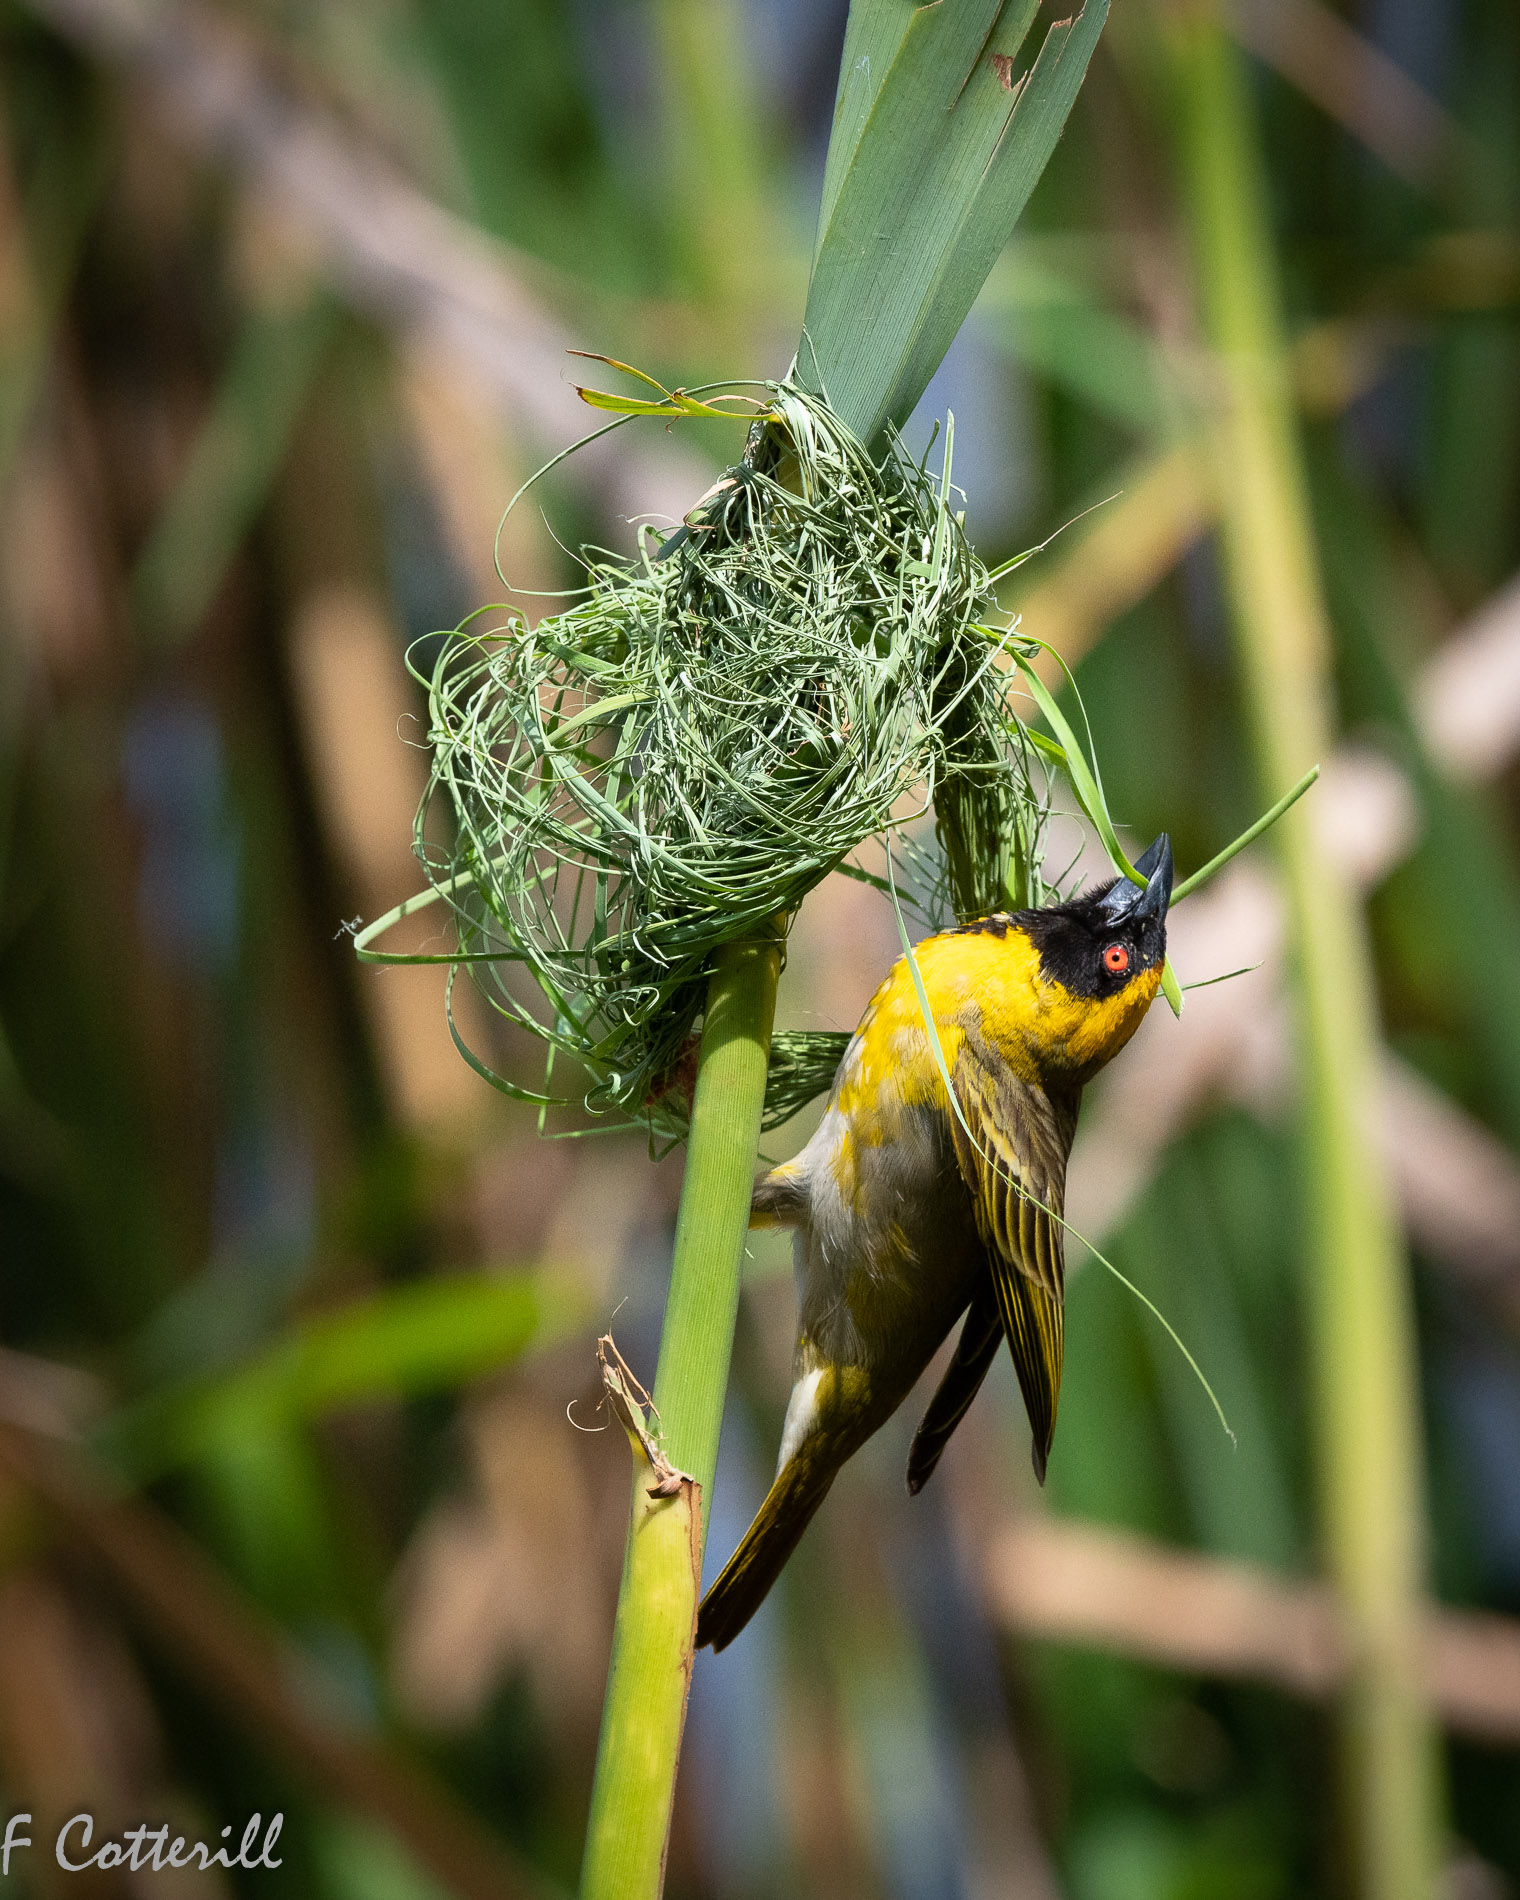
[701,735]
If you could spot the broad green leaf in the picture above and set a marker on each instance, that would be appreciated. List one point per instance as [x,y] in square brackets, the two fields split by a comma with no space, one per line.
[944,149]
[872,41]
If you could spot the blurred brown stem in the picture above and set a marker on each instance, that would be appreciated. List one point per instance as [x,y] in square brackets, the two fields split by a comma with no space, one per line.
[1086,1584]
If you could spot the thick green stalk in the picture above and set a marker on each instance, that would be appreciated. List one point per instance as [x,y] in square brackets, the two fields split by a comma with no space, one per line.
[692,1375]
[652,1645]
[1366,1385]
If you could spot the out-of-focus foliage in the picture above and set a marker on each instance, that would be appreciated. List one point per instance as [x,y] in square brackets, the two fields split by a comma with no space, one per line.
[277,1255]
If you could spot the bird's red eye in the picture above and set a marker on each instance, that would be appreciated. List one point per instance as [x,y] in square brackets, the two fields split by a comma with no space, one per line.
[1116,958]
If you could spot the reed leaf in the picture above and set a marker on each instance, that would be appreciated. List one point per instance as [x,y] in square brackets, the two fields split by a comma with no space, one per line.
[938,142]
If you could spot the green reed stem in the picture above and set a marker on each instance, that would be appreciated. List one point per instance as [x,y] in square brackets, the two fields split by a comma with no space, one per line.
[1367,1415]
[652,1650]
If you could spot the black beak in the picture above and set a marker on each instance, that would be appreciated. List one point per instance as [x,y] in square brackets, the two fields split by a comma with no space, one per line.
[1128,903]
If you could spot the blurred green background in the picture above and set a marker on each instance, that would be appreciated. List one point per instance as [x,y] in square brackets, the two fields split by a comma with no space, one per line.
[297,1315]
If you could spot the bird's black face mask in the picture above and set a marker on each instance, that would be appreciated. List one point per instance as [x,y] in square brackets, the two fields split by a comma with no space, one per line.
[1096,945]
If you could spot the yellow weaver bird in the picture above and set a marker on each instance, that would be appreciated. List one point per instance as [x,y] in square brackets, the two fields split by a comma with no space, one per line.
[907,1214]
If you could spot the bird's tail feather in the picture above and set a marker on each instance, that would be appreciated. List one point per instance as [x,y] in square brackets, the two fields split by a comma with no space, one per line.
[980,1338]
[801,1486]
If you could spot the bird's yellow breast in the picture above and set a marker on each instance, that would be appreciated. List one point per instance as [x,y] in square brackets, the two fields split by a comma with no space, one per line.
[989,984]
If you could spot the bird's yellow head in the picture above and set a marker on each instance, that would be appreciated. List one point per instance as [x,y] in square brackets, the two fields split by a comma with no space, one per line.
[1099,963]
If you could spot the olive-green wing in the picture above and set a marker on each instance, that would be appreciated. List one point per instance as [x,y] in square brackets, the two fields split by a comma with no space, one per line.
[1012,1152]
